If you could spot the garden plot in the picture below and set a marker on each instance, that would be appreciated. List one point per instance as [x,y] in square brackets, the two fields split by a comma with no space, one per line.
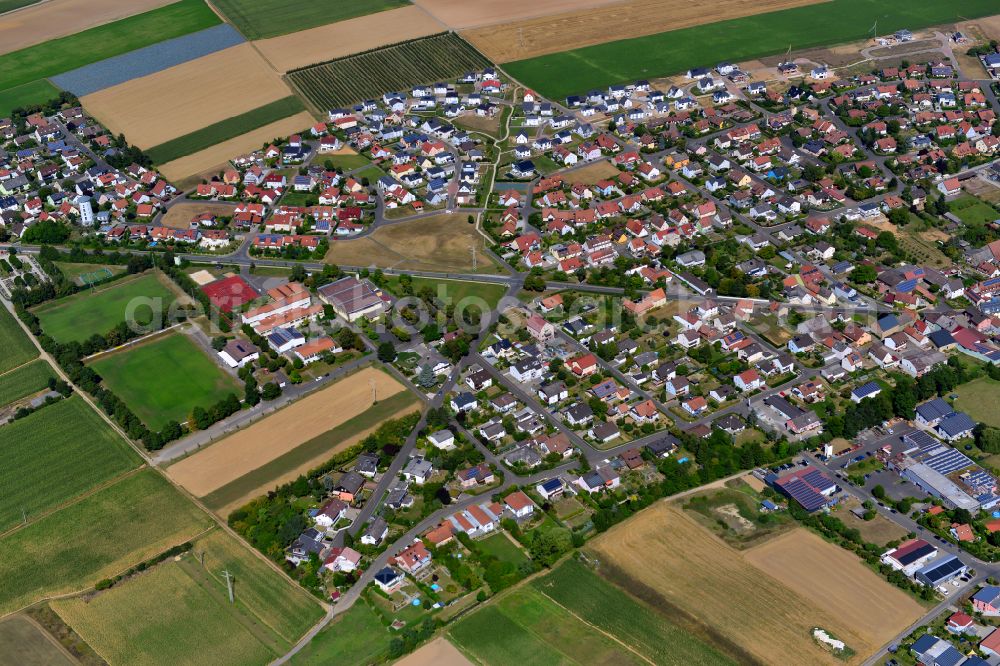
[148,60]
[177,101]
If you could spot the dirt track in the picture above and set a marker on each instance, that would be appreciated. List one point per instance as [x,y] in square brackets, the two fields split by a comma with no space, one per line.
[216,157]
[262,442]
[179,100]
[603,22]
[57,18]
[335,40]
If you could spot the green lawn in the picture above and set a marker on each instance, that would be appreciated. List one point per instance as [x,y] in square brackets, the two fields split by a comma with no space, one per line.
[54,455]
[17,346]
[355,638]
[502,548]
[821,24]
[454,290]
[56,56]
[372,173]
[226,129]
[259,19]
[309,450]
[11,5]
[76,318]
[347,161]
[26,94]
[73,271]
[103,534]
[972,210]
[164,379]
[24,381]
[978,398]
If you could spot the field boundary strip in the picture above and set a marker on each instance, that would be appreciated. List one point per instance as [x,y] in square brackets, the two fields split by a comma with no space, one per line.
[224,130]
[147,60]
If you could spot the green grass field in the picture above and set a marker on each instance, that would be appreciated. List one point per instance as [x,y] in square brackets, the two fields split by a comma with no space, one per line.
[54,455]
[179,612]
[11,5]
[17,346]
[355,638]
[502,548]
[73,271]
[76,318]
[164,379]
[56,56]
[101,535]
[612,610]
[347,162]
[259,19]
[454,290]
[226,129]
[24,381]
[26,94]
[675,51]
[977,398]
[972,210]
[309,450]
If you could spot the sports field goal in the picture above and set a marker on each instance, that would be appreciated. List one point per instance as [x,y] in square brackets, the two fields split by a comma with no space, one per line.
[93,277]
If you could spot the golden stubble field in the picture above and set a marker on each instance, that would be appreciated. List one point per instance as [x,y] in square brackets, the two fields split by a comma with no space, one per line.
[279,433]
[343,38]
[438,242]
[596,23]
[179,216]
[767,600]
[179,100]
[185,169]
[463,14]
[57,18]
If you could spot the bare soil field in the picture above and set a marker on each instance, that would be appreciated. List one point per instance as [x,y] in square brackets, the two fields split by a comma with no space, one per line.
[265,440]
[215,158]
[343,38]
[983,189]
[541,33]
[179,216]
[665,558]
[986,28]
[879,530]
[439,242]
[479,123]
[57,18]
[836,581]
[179,100]
[464,14]
[439,652]
[590,174]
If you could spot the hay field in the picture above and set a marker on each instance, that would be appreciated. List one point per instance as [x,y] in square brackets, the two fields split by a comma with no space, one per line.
[217,157]
[836,581]
[179,100]
[439,652]
[343,38]
[602,22]
[464,14]
[179,216]
[664,557]
[265,440]
[591,173]
[58,18]
[435,243]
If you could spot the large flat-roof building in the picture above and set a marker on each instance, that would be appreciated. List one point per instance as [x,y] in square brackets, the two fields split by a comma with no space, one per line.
[941,571]
[352,299]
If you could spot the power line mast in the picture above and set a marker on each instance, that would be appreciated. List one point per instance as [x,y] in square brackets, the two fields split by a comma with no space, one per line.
[371,385]
[229,583]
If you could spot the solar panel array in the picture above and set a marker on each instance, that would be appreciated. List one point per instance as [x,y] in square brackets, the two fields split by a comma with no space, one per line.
[804,495]
[947,461]
[815,479]
[942,569]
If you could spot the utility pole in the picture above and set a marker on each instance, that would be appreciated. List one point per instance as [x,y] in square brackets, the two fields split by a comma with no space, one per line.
[229,583]
[473,249]
[24,515]
[371,384]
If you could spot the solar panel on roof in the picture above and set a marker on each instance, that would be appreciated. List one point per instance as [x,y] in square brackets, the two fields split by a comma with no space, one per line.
[816,479]
[804,495]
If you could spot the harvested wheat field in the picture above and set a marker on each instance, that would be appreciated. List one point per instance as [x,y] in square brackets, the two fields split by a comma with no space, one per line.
[837,581]
[57,18]
[603,22]
[439,652]
[591,173]
[464,14]
[281,432]
[179,100]
[343,38]
[179,216]
[215,158]
[439,242]
[664,557]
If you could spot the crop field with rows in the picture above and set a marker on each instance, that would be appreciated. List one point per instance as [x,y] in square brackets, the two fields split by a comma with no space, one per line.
[368,75]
